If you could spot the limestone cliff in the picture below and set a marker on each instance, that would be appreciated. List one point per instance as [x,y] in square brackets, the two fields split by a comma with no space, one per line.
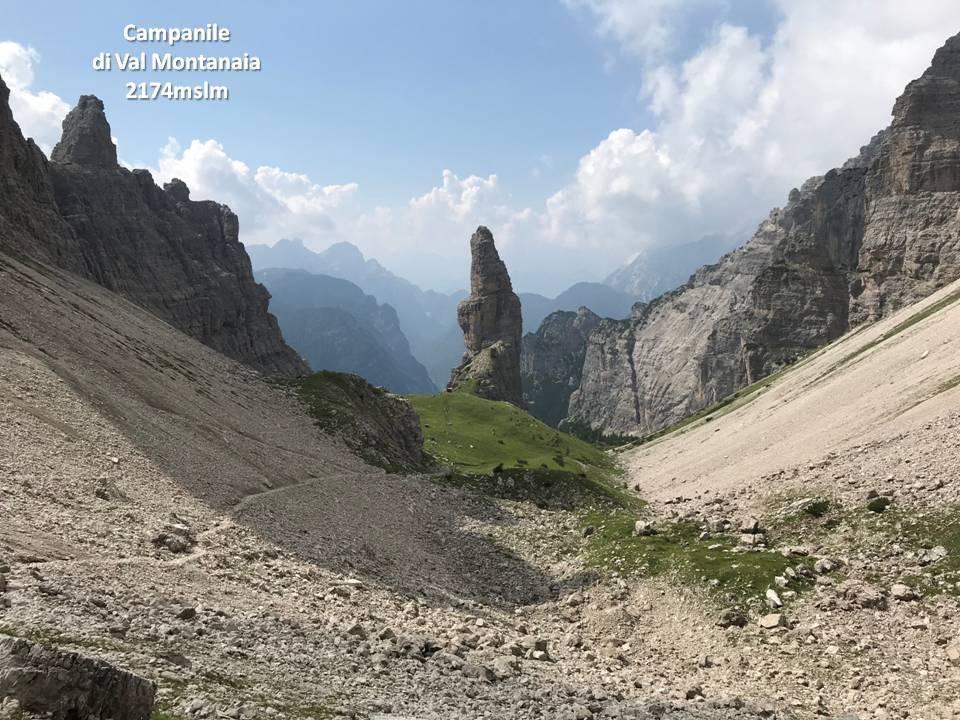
[181,260]
[492,326]
[551,360]
[850,246]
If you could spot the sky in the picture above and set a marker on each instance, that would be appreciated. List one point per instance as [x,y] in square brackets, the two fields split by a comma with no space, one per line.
[580,131]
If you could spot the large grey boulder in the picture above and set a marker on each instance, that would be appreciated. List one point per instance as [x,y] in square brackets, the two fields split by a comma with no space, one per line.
[63,685]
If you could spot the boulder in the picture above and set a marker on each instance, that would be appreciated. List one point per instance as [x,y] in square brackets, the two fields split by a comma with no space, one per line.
[64,685]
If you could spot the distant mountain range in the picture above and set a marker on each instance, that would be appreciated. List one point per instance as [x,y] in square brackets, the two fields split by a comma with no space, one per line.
[334,325]
[658,270]
[603,300]
[427,318]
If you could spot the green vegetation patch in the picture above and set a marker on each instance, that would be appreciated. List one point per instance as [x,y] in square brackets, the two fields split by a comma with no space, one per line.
[676,549]
[932,538]
[496,446]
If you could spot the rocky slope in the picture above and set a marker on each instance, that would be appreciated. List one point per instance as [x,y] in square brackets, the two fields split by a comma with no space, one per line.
[180,259]
[866,429]
[850,246]
[334,325]
[551,361]
[492,327]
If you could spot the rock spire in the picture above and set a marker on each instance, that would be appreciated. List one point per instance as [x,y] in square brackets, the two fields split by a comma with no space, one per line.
[492,327]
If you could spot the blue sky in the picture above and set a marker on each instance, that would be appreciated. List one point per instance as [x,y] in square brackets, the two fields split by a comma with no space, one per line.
[383,93]
[377,99]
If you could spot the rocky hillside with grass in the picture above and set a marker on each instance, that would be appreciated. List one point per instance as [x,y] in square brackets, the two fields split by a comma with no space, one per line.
[851,246]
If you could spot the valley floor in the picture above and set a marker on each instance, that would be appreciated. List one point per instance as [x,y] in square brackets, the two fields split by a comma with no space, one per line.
[254,571]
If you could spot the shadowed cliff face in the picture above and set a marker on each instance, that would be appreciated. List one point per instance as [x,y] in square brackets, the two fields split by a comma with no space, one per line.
[492,326]
[851,246]
[551,361]
[180,259]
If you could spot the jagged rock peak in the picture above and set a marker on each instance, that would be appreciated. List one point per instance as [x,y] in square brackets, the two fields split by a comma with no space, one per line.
[86,136]
[492,326]
[932,101]
[178,189]
[488,273]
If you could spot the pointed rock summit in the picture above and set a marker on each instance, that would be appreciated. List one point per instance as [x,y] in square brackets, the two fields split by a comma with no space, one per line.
[491,324]
[86,137]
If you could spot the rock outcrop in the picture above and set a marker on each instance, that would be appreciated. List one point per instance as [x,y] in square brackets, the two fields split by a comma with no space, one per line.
[551,361]
[851,246]
[63,685]
[492,327]
[180,259]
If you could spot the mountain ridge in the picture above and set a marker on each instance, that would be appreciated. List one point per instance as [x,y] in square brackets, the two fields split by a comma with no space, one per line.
[336,326]
[850,246]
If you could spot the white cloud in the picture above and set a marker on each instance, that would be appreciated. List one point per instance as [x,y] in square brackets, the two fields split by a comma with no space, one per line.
[643,28]
[39,114]
[742,119]
[421,238]
[733,124]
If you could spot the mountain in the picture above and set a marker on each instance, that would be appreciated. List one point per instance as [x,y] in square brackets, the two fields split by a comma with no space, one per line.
[602,299]
[661,269]
[334,325]
[427,318]
[551,362]
[850,247]
[180,259]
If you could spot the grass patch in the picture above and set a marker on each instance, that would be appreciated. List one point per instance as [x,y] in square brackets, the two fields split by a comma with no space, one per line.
[481,438]
[677,550]
[917,533]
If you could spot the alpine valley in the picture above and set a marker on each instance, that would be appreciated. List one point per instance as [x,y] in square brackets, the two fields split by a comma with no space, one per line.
[281,481]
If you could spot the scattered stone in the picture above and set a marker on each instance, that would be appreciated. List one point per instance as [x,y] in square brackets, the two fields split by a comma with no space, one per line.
[879,504]
[480,672]
[931,555]
[643,528]
[357,630]
[505,667]
[751,526]
[732,617]
[901,592]
[772,621]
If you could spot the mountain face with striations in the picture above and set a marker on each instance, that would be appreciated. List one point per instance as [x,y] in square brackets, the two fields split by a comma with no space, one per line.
[334,325]
[492,326]
[851,246]
[180,259]
[551,361]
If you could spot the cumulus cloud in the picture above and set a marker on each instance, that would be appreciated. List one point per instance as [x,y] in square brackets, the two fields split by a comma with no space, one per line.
[742,119]
[419,238]
[732,124]
[271,203]
[39,113]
